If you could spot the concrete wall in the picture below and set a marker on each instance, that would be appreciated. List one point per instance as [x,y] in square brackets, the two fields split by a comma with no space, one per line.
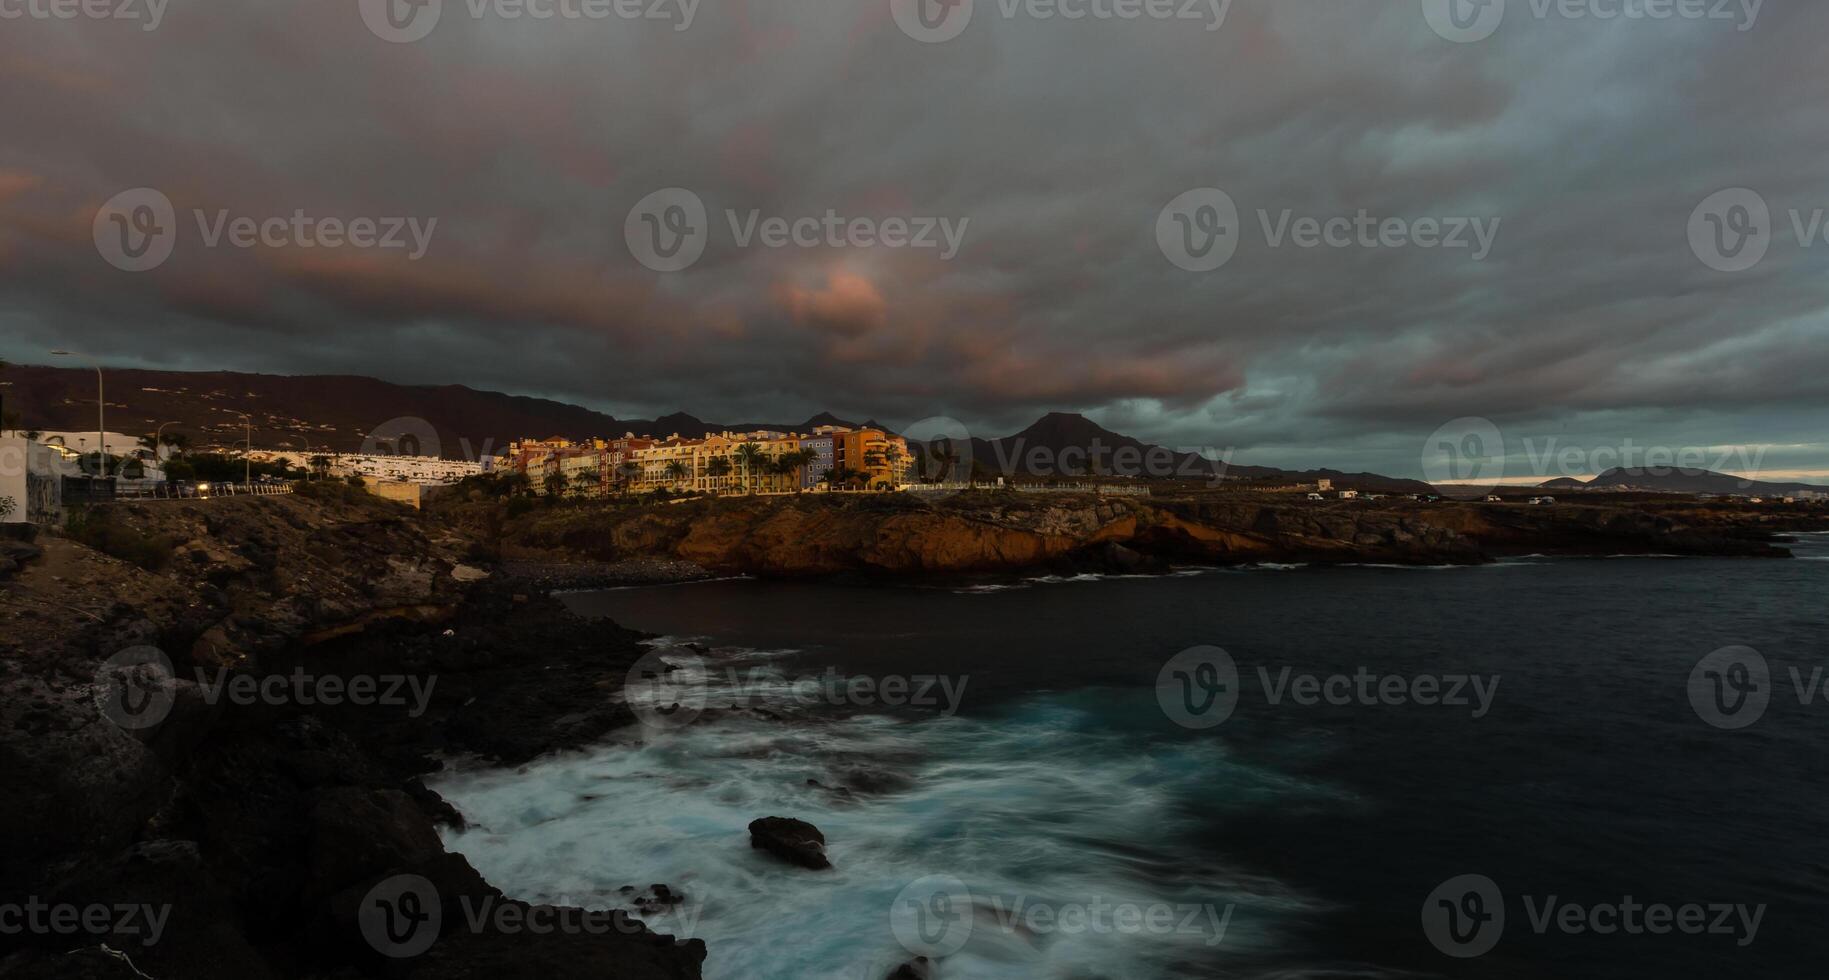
[414,495]
[32,476]
[12,477]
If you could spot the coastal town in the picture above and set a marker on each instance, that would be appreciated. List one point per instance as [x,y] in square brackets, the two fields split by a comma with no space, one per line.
[830,458]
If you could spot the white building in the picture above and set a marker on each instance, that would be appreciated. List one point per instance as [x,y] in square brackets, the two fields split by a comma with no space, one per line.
[82,443]
[403,469]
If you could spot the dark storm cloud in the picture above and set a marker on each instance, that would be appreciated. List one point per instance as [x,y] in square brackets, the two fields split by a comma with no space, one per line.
[1588,142]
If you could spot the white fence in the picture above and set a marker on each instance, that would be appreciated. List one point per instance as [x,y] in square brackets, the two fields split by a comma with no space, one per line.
[1102,489]
[191,491]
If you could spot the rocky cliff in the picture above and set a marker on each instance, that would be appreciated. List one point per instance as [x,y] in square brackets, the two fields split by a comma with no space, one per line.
[1007,532]
[264,824]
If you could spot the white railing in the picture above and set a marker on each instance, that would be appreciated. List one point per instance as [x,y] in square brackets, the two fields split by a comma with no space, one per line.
[190,491]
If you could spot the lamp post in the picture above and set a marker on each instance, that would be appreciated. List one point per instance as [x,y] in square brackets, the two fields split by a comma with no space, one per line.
[101,407]
[247,454]
[158,439]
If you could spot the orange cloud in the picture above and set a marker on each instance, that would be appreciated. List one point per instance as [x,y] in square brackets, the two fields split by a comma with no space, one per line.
[849,305]
[16,182]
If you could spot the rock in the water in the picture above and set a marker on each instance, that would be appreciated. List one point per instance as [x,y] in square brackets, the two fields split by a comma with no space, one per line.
[793,841]
[915,969]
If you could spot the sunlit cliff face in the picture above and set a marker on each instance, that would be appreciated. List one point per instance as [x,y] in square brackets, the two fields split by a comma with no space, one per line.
[979,227]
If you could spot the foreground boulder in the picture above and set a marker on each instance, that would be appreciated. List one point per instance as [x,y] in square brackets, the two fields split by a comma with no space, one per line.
[915,969]
[794,841]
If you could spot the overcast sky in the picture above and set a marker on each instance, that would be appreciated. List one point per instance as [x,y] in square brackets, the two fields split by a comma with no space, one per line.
[1579,145]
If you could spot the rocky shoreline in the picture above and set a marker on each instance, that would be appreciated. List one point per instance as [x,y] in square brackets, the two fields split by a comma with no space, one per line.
[272,829]
[990,533]
[560,576]
[267,834]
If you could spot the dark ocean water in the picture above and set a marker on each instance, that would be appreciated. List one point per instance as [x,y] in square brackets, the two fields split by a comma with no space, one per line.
[1314,835]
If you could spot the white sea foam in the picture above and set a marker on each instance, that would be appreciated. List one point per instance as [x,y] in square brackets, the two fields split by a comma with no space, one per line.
[1038,806]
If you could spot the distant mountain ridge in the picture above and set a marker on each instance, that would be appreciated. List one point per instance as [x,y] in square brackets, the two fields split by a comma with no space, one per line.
[338,412]
[1063,436]
[1673,480]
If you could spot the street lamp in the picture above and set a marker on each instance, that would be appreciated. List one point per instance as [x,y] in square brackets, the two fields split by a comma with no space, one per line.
[247,454]
[101,407]
[158,439]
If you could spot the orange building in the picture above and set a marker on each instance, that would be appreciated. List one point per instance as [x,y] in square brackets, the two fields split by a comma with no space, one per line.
[872,451]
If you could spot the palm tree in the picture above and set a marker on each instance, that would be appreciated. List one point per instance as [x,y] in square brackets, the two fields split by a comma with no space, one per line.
[556,482]
[893,456]
[785,465]
[718,468]
[320,464]
[748,454]
[677,471]
[802,458]
[626,473]
[586,481]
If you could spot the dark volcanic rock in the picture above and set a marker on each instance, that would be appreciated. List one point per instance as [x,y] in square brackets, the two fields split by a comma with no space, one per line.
[915,969]
[263,825]
[794,841]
